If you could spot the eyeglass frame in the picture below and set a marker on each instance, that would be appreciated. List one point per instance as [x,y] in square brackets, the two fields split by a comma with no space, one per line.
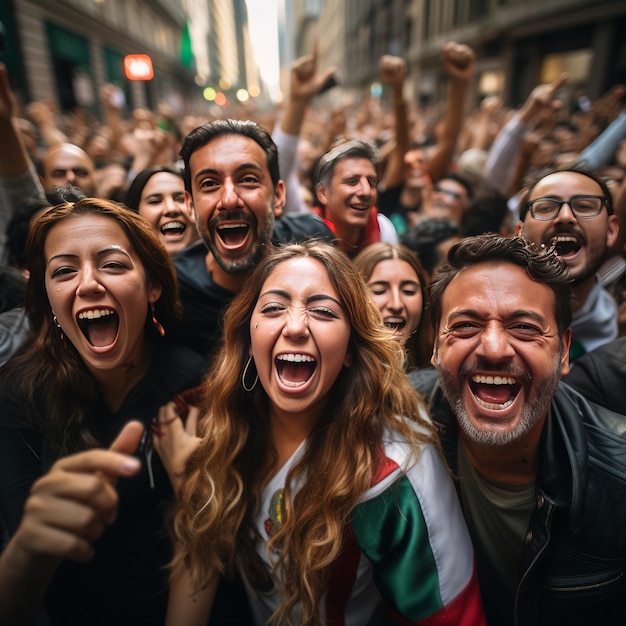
[454,194]
[561,202]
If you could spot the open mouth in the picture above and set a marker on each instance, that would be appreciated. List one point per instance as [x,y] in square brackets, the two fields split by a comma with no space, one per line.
[100,326]
[233,235]
[173,229]
[395,323]
[294,370]
[494,392]
[566,245]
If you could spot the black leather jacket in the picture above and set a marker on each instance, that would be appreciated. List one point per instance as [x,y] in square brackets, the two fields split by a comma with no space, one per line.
[572,568]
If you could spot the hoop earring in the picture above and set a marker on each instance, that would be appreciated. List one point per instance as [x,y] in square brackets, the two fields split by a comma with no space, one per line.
[244,376]
[155,321]
[56,323]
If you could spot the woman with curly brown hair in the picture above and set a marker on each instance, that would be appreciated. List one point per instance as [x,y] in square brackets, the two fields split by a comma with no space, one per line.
[317,470]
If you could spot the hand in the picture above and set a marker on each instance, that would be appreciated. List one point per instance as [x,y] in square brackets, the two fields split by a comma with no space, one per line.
[76,500]
[542,98]
[174,439]
[305,81]
[458,61]
[392,70]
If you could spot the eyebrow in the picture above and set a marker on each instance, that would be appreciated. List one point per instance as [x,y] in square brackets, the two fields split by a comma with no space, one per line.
[313,298]
[103,251]
[514,315]
[409,281]
[239,168]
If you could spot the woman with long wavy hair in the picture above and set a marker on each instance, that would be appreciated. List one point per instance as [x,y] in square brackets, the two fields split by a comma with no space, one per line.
[399,287]
[100,299]
[316,470]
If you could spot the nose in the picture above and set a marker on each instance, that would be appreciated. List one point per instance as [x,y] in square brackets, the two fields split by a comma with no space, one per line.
[70,176]
[565,214]
[365,189]
[296,323]
[88,283]
[495,345]
[230,198]
[394,303]
[170,205]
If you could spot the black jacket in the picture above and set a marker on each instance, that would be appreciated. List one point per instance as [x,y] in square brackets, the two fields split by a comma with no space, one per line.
[572,567]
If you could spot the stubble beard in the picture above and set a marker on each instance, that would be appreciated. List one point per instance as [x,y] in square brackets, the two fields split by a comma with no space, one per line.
[536,407]
[245,263]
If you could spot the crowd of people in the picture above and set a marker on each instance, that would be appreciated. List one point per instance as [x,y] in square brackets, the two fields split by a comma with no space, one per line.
[329,364]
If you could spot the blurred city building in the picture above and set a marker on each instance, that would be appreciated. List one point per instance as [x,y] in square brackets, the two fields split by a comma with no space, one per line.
[518,43]
[68,49]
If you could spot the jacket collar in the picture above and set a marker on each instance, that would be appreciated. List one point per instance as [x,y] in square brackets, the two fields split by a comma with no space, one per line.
[563,455]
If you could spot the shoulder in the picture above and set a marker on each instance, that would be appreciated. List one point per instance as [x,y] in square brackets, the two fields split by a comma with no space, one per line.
[291,228]
[388,232]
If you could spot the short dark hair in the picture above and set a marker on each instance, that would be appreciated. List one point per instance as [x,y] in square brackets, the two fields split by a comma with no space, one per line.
[461,180]
[132,198]
[532,181]
[343,149]
[220,128]
[542,267]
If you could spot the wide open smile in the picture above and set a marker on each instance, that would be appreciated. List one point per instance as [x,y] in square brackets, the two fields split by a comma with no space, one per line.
[173,230]
[99,326]
[395,323]
[295,369]
[233,234]
[495,393]
[566,244]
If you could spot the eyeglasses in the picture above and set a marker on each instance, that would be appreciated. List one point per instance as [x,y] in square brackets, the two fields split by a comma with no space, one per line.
[448,192]
[583,207]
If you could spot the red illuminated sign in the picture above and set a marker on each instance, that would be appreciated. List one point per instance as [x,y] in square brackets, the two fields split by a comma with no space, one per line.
[138,67]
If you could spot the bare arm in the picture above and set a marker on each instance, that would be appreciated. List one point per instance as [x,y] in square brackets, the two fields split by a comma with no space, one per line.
[458,61]
[393,73]
[185,606]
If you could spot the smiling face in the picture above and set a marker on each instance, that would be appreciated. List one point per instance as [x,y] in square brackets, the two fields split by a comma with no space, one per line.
[299,338]
[98,291]
[397,293]
[349,197]
[446,200]
[498,352]
[234,200]
[581,243]
[163,205]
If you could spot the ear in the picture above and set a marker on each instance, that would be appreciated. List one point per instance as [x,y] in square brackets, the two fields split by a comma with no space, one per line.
[321,193]
[154,293]
[612,231]
[189,208]
[347,362]
[433,358]
[566,340]
[519,229]
[280,198]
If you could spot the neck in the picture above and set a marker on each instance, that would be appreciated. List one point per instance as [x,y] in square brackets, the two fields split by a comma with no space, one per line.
[515,463]
[115,384]
[230,282]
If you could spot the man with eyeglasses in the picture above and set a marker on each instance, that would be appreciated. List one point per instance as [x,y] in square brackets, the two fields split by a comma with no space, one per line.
[571,211]
[448,198]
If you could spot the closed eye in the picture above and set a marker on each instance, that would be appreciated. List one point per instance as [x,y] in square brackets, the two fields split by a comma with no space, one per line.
[324,312]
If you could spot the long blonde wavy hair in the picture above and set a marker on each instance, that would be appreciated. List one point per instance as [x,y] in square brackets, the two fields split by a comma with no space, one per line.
[225,476]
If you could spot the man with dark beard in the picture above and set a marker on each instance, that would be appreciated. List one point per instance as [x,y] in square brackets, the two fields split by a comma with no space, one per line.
[572,212]
[234,190]
[541,473]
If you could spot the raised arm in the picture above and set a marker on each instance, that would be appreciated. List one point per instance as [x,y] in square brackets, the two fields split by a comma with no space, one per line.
[459,63]
[393,73]
[305,83]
